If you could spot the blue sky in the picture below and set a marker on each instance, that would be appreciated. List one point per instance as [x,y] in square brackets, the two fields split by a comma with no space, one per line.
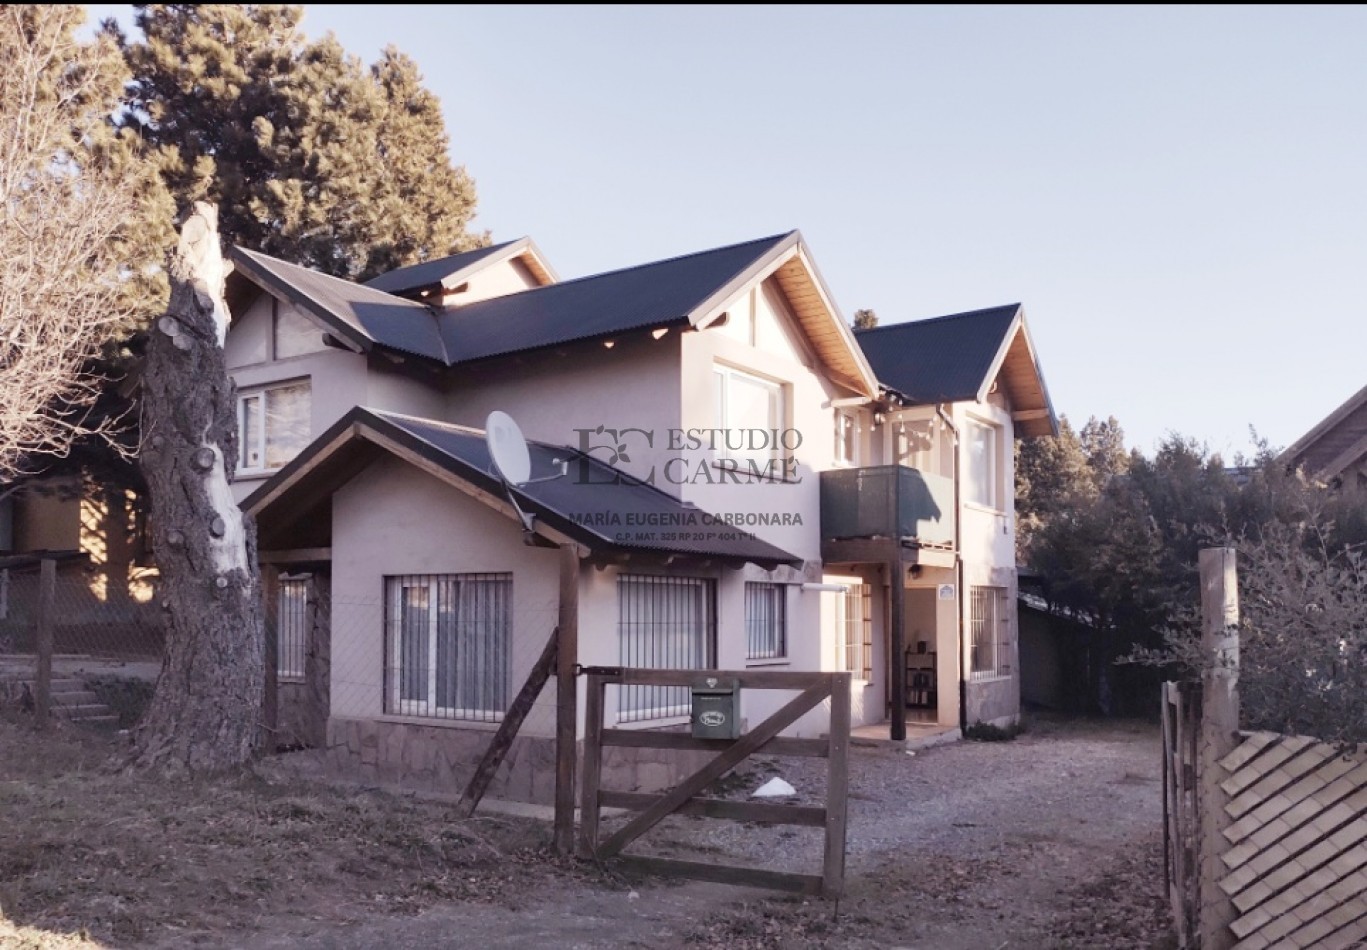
[1177,195]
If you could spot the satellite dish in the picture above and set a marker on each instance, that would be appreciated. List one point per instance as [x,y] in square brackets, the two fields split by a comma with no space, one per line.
[507,448]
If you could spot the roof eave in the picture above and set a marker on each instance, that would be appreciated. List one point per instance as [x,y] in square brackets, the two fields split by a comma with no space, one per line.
[283,290]
[767,264]
[1354,402]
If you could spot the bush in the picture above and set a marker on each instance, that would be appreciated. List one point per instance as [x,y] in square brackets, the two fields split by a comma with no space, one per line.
[987,732]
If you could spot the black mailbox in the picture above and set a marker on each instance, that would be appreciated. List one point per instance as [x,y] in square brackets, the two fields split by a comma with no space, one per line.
[716,709]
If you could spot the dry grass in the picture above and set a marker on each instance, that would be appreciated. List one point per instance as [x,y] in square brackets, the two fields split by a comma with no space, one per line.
[132,861]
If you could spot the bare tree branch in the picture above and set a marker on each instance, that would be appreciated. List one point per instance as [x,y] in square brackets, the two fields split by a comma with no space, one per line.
[62,214]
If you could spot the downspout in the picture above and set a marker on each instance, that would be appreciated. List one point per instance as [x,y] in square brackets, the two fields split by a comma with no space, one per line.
[958,567]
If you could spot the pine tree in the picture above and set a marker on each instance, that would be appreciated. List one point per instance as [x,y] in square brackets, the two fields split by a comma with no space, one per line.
[308,155]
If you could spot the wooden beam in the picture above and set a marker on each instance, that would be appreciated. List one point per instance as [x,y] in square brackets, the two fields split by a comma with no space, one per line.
[1218,736]
[897,608]
[295,556]
[593,765]
[724,874]
[1029,415]
[767,812]
[752,679]
[737,753]
[566,699]
[652,739]
[837,788]
[508,729]
[47,608]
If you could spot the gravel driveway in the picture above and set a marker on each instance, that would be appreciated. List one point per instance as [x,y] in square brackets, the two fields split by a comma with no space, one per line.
[1048,840]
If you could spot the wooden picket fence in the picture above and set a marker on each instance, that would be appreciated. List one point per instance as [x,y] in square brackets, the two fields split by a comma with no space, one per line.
[1297,856]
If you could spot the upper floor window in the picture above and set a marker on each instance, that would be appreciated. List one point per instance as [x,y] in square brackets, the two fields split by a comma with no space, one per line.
[846,438]
[272,425]
[750,416]
[984,464]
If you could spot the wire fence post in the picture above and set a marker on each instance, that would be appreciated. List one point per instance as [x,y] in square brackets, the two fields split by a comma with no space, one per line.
[42,683]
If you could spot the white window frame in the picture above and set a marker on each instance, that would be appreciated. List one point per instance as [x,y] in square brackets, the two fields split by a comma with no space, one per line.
[991,480]
[723,376]
[846,438]
[989,632]
[766,621]
[396,704]
[854,625]
[258,394]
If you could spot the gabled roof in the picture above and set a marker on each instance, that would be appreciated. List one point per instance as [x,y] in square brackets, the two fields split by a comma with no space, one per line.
[661,293]
[1336,443]
[956,358]
[589,505]
[693,289]
[458,268]
[358,315]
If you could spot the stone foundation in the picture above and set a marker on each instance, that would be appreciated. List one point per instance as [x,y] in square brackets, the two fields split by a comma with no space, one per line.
[442,759]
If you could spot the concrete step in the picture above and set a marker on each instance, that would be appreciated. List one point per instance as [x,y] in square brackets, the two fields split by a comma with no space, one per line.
[76,697]
[109,721]
[83,711]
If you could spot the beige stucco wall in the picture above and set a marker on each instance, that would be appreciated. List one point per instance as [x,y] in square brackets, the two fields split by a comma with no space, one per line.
[393,519]
[338,379]
[553,394]
[495,280]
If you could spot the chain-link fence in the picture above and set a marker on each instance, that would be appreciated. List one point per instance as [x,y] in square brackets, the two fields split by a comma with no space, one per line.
[410,685]
[76,642]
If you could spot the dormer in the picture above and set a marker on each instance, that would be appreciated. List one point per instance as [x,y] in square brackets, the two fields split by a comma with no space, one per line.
[470,276]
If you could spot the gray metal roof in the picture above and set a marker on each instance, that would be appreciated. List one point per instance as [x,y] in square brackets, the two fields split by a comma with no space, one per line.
[648,295]
[943,359]
[403,279]
[358,314]
[594,503]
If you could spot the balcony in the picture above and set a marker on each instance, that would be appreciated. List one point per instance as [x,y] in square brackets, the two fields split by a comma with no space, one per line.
[877,512]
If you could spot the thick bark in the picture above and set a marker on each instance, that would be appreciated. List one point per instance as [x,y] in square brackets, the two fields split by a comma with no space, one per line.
[205,714]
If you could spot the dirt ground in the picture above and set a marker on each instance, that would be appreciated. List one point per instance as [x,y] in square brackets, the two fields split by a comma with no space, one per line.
[1050,840]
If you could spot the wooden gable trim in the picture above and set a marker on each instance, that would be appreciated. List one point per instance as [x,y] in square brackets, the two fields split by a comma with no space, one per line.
[1304,443]
[1354,453]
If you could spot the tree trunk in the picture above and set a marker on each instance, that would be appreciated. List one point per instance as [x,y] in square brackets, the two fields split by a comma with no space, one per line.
[204,716]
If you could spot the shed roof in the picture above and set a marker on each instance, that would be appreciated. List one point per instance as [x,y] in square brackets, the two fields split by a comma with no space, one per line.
[594,504]
[1336,443]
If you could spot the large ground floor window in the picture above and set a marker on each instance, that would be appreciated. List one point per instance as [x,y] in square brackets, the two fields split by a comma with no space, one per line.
[663,623]
[447,645]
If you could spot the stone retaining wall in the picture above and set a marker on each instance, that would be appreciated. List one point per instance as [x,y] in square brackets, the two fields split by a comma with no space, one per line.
[442,759]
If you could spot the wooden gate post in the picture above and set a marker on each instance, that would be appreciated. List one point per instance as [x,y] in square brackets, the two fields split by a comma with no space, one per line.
[1218,736]
[566,699]
[47,605]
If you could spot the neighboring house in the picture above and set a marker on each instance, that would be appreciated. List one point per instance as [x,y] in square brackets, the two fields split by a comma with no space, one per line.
[1335,450]
[749,485]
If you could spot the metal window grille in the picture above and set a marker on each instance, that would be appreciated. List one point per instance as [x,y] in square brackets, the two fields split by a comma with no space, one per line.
[663,623]
[985,619]
[291,627]
[766,621]
[856,630]
[447,645]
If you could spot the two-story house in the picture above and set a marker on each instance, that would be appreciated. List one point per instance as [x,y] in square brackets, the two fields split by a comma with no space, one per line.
[746,482]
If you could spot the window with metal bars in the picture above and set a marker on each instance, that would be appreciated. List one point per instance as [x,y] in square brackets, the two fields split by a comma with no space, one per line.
[766,621]
[855,619]
[663,623]
[447,639]
[291,627]
[985,626]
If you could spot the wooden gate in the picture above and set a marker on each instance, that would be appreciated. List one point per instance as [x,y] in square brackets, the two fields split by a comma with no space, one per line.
[1181,819]
[685,797]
